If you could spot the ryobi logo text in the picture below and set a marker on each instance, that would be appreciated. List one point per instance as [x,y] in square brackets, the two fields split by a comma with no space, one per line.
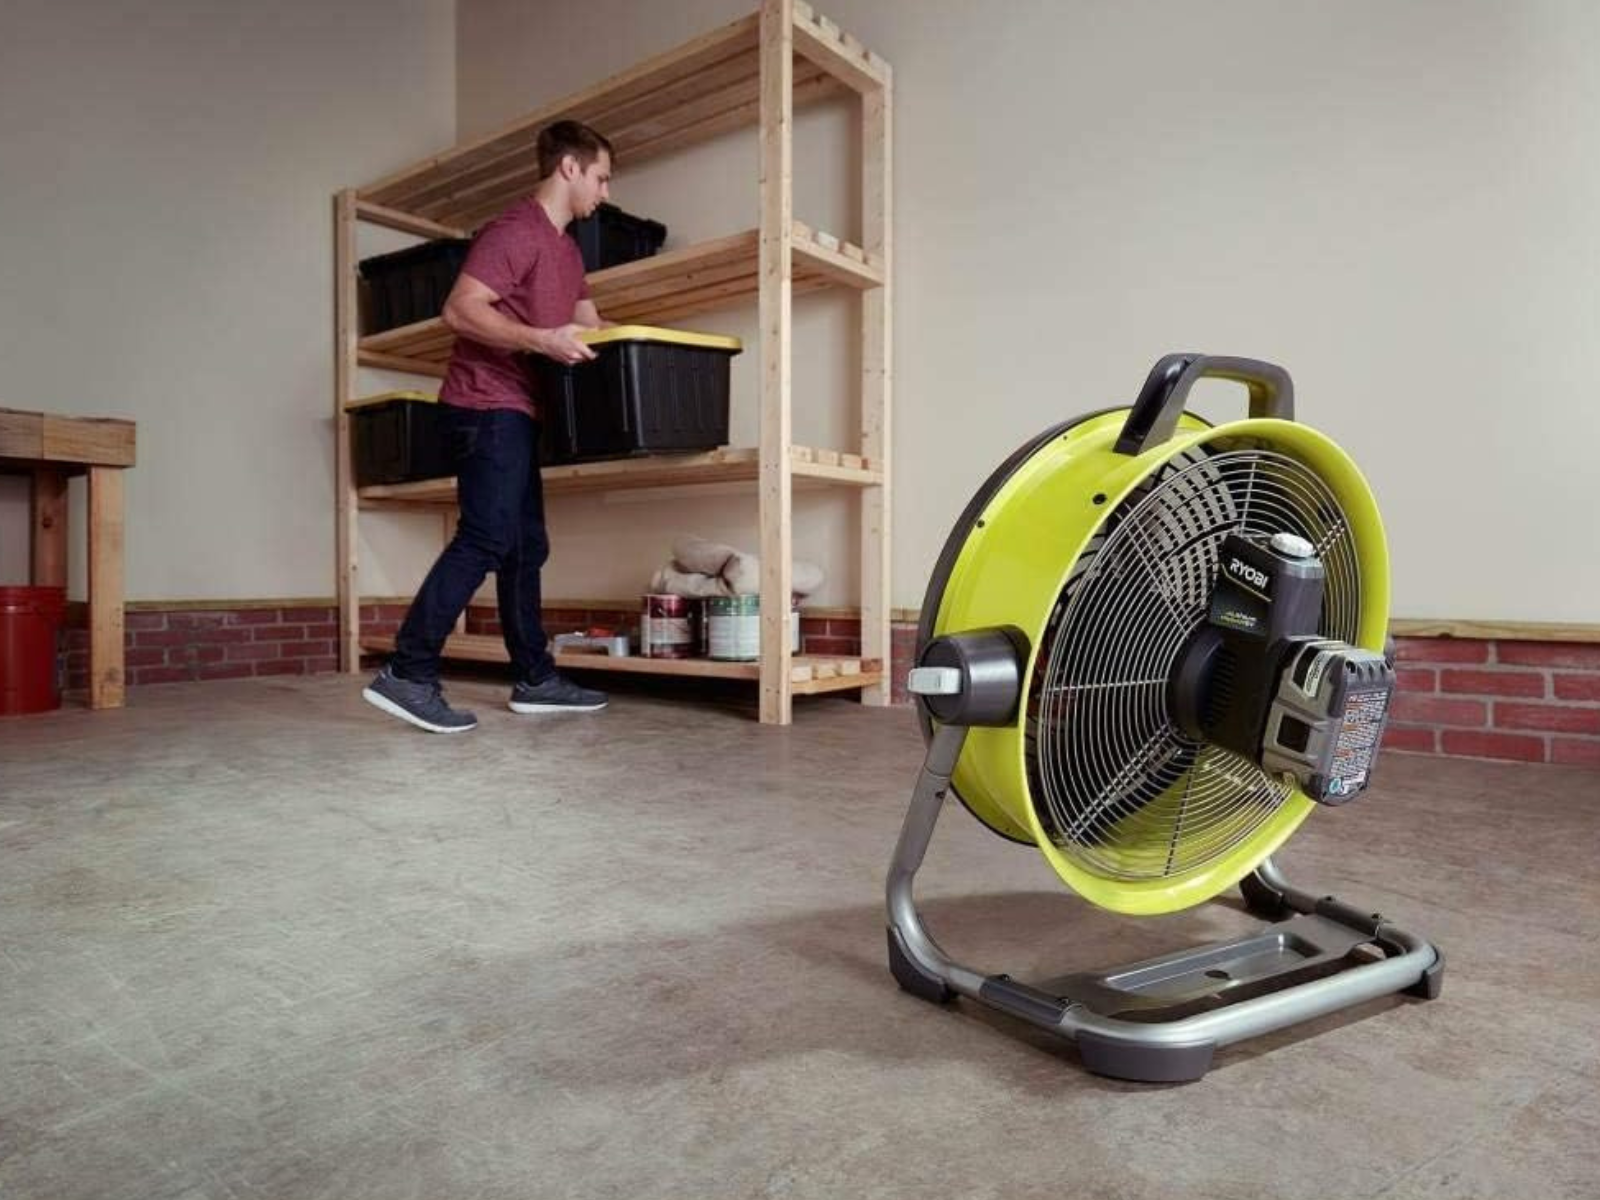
[1244,571]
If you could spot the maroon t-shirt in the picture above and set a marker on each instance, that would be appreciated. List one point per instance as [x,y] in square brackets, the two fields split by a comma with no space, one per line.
[537,271]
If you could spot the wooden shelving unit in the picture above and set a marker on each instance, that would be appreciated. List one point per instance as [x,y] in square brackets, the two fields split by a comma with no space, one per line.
[753,71]
[675,470]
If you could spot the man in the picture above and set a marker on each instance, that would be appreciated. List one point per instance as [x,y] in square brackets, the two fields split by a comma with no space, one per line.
[521,292]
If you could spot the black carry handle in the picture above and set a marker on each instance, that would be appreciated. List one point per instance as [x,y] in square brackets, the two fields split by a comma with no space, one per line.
[1155,413]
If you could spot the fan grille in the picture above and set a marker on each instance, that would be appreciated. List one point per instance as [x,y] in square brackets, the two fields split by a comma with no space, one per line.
[1117,785]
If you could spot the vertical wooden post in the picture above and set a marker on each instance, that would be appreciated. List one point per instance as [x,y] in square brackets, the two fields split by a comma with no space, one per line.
[776,265]
[345,366]
[49,519]
[877,380]
[106,517]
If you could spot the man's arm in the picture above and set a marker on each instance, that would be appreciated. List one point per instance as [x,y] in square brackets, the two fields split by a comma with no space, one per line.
[586,314]
[469,312]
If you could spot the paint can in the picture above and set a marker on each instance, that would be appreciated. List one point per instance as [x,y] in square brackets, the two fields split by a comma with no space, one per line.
[733,628]
[754,601]
[666,627]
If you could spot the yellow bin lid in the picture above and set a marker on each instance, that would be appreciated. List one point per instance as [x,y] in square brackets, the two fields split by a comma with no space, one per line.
[654,333]
[385,397]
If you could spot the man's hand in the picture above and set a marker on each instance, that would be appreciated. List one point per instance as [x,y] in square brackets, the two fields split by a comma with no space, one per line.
[562,344]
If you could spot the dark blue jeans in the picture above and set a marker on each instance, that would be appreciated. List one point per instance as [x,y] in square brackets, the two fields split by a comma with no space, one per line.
[501,529]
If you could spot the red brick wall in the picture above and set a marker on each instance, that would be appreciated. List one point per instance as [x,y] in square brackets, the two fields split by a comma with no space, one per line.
[215,643]
[383,619]
[1531,701]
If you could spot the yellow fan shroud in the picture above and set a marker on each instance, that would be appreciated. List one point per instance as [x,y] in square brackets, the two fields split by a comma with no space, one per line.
[1103,560]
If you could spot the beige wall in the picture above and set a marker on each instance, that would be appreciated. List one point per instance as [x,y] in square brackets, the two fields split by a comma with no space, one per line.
[1400,203]
[166,253]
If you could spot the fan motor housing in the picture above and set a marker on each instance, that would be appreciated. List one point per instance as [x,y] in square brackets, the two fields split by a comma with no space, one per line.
[1257,679]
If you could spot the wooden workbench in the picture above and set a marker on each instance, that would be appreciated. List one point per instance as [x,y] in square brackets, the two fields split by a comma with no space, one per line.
[51,448]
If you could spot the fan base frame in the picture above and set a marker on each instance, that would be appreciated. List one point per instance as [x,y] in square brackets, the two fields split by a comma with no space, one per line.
[1162,1020]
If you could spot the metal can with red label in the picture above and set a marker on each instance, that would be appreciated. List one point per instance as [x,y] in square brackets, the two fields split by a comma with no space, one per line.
[667,627]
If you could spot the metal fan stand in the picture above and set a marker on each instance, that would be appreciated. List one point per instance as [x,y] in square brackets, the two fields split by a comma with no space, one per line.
[1160,1020]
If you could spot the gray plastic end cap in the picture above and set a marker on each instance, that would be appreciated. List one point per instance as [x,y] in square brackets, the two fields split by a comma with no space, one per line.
[1291,545]
[934,681]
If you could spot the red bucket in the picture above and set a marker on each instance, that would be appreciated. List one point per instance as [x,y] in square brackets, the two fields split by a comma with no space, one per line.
[30,648]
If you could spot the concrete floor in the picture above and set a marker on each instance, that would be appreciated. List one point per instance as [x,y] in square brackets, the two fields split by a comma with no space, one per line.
[258,940]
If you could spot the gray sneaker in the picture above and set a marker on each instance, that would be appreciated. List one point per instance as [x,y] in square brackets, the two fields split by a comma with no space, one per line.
[556,694]
[420,703]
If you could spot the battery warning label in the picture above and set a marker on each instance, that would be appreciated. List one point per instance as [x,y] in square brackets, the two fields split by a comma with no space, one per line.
[1359,732]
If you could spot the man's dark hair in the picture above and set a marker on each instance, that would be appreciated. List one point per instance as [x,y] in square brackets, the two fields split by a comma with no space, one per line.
[569,137]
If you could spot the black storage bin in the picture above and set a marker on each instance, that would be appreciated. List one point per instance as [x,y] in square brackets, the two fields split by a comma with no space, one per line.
[611,237]
[412,284]
[398,437]
[649,391]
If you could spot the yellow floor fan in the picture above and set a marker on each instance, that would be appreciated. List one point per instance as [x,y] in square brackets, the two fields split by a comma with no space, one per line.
[1151,648]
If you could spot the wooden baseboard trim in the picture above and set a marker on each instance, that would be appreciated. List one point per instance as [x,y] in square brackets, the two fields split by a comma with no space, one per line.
[1496,631]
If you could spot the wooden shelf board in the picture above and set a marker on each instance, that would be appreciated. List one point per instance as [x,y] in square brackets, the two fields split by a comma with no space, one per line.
[813,258]
[729,464]
[723,260]
[391,218]
[703,88]
[475,196]
[666,287]
[811,674]
[655,75]
[823,43]
[401,363]
[862,476]
[79,442]
[422,342]
[838,683]
[1511,631]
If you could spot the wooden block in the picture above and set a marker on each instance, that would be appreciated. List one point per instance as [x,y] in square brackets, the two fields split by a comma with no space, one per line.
[800,672]
[101,442]
[852,45]
[827,240]
[803,454]
[803,10]
[853,461]
[831,666]
[21,434]
[851,250]
[829,26]
[828,458]
[802,230]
